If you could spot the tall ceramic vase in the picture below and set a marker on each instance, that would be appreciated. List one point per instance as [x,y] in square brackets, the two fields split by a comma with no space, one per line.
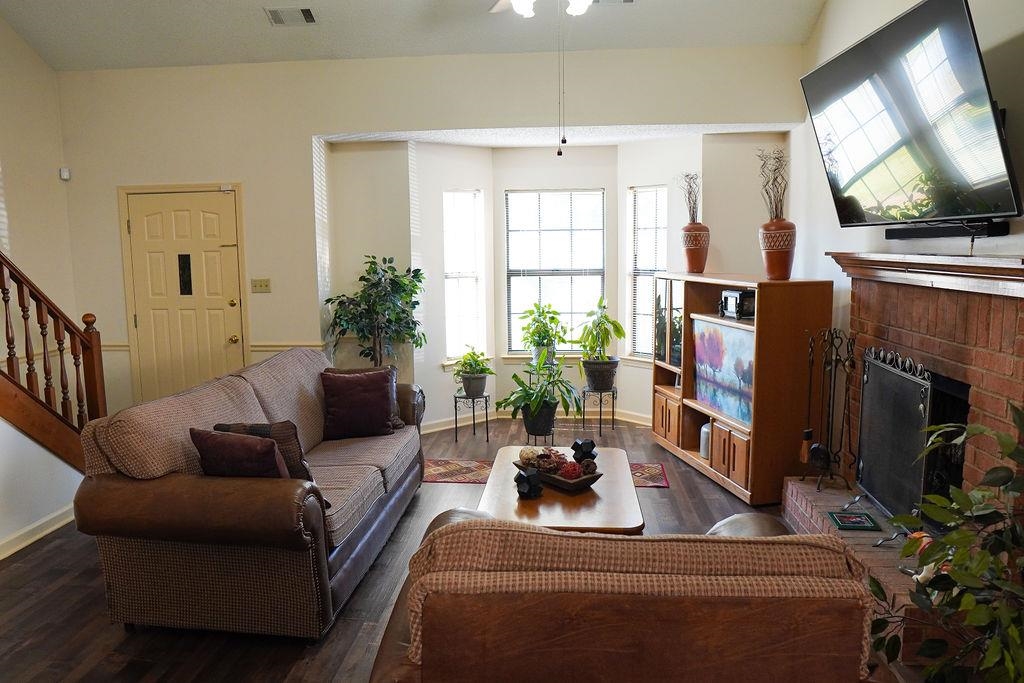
[696,240]
[778,241]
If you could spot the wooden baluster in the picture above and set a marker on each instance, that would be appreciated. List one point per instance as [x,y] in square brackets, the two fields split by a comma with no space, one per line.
[76,358]
[93,359]
[13,368]
[43,319]
[65,395]
[31,378]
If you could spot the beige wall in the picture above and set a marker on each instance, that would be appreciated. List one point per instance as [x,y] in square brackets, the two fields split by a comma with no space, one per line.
[440,168]
[35,487]
[1000,28]
[656,162]
[369,215]
[538,168]
[732,205]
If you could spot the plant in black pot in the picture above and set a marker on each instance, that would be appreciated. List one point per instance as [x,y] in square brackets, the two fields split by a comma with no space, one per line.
[595,336]
[472,369]
[542,330]
[539,401]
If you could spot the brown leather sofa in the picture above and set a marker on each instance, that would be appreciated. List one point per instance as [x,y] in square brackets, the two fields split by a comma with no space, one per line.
[503,601]
[273,556]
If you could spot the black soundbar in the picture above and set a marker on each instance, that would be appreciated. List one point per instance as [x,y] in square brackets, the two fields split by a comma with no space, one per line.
[913,232]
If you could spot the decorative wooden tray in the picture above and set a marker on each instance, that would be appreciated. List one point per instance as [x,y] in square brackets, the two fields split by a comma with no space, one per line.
[581,484]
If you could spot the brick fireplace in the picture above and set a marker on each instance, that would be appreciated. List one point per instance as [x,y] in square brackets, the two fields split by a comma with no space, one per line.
[959,316]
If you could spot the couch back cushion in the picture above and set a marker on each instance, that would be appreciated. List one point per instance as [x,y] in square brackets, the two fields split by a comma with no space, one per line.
[151,439]
[500,546]
[288,387]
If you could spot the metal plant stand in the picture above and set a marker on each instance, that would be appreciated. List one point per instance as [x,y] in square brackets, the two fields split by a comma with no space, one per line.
[469,403]
[602,400]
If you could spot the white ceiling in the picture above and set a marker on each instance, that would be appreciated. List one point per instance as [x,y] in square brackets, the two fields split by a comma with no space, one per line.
[111,34]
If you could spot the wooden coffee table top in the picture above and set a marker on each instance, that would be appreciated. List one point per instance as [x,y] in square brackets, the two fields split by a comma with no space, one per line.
[609,506]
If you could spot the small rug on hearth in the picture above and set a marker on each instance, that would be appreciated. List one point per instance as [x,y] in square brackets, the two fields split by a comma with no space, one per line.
[649,475]
[645,474]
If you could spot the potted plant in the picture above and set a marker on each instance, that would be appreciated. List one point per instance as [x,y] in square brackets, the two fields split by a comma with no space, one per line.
[472,369]
[595,336]
[777,236]
[969,579]
[542,331]
[380,314]
[539,401]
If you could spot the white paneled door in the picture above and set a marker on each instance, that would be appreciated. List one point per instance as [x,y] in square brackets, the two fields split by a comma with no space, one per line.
[185,275]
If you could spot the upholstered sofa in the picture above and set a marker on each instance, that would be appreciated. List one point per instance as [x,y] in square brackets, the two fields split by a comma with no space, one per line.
[490,600]
[272,556]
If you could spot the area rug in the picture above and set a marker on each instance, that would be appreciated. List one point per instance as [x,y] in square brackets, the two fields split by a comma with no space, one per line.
[645,474]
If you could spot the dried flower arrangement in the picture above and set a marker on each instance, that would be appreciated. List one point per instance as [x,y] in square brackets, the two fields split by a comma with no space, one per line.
[774,180]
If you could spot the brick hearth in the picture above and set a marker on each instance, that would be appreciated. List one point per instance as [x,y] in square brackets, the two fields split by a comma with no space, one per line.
[973,337]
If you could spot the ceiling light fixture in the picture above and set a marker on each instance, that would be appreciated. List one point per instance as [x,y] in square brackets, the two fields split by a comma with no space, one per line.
[577,7]
[523,8]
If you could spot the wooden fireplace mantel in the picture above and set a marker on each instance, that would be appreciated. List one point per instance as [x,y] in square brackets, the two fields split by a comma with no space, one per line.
[997,275]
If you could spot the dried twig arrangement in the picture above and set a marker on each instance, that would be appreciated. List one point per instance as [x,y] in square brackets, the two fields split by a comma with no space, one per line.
[689,183]
[773,180]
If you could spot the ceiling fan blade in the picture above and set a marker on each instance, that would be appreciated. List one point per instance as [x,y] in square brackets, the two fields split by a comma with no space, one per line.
[501,6]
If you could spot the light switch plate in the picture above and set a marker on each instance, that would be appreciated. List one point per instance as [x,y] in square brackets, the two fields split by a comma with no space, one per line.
[261,285]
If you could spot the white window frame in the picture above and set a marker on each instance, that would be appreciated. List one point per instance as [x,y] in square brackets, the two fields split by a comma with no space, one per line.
[636,272]
[516,346]
[477,275]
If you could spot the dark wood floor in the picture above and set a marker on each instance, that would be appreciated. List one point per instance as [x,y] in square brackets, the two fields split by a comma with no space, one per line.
[54,626]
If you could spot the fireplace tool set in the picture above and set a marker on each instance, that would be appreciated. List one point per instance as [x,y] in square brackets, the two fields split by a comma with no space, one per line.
[832,350]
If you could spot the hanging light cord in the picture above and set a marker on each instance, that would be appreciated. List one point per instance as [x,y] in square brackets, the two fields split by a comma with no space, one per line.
[561,81]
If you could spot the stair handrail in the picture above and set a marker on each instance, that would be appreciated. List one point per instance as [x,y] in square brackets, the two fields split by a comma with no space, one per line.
[83,345]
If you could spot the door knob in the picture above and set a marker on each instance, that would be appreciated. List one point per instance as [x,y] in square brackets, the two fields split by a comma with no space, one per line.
[232,302]
[233,339]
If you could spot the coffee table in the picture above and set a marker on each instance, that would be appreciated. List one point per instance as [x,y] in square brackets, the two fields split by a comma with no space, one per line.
[609,506]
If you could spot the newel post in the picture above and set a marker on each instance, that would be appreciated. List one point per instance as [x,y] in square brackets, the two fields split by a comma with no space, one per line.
[92,361]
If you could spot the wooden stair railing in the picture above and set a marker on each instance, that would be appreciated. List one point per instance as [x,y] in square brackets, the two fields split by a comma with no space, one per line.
[72,391]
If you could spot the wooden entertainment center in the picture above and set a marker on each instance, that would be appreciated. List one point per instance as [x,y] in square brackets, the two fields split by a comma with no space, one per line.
[756,407]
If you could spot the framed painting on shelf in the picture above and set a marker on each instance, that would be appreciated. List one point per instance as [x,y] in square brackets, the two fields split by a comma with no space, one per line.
[724,368]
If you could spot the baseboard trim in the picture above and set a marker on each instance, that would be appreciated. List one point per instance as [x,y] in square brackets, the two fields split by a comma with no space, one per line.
[467,420]
[33,532]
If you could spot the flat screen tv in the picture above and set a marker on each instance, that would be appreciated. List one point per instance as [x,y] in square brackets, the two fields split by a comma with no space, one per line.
[907,127]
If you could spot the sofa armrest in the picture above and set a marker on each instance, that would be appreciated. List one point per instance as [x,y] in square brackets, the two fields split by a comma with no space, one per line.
[281,513]
[411,404]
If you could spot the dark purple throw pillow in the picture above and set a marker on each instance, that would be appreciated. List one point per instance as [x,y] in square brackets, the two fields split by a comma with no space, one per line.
[222,454]
[356,405]
[284,434]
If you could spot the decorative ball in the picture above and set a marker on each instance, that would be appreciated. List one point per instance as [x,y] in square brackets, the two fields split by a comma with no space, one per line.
[571,470]
[588,466]
[528,455]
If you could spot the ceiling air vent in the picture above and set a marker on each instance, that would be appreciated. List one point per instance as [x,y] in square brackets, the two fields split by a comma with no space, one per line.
[290,16]
[614,2]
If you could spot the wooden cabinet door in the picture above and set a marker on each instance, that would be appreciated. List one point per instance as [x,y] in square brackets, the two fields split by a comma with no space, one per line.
[673,417]
[659,425]
[721,451]
[739,458]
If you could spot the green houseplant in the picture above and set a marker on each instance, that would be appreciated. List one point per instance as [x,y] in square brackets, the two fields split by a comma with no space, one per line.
[472,369]
[543,330]
[596,334]
[969,578]
[380,314]
[538,401]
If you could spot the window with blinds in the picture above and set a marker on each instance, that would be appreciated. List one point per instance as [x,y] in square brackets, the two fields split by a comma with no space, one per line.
[649,209]
[462,221]
[555,254]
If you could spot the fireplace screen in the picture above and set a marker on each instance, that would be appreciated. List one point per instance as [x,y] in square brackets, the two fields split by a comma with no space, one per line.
[898,400]
[895,407]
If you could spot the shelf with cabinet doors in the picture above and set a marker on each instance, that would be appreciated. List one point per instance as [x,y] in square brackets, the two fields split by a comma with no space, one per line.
[755,430]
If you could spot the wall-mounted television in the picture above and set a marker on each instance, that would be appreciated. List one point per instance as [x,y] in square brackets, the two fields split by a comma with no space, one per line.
[908,130]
